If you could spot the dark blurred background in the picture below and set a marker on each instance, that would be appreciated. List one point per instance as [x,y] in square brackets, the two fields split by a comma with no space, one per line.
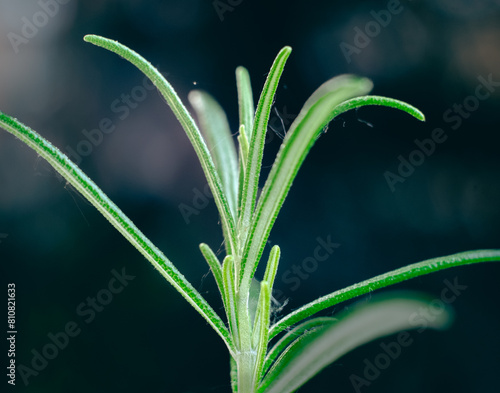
[59,251]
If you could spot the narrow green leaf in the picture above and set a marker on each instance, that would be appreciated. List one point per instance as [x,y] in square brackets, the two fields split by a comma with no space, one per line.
[303,132]
[245,99]
[244,147]
[118,219]
[305,357]
[243,158]
[260,308]
[256,149]
[384,280]
[255,293]
[230,296]
[214,124]
[297,332]
[272,266]
[380,101]
[215,266]
[187,123]
[261,329]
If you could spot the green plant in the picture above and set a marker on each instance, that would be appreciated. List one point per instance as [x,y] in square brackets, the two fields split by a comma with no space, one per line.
[306,345]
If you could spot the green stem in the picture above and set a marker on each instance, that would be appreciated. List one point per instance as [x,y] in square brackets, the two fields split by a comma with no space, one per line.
[246,366]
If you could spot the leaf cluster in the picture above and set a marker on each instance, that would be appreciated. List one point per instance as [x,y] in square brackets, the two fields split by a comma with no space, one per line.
[306,345]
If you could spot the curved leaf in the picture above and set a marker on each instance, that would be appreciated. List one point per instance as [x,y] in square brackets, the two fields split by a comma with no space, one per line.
[315,115]
[187,122]
[380,101]
[296,333]
[256,149]
[381,281]
[307,356]
[82,183]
